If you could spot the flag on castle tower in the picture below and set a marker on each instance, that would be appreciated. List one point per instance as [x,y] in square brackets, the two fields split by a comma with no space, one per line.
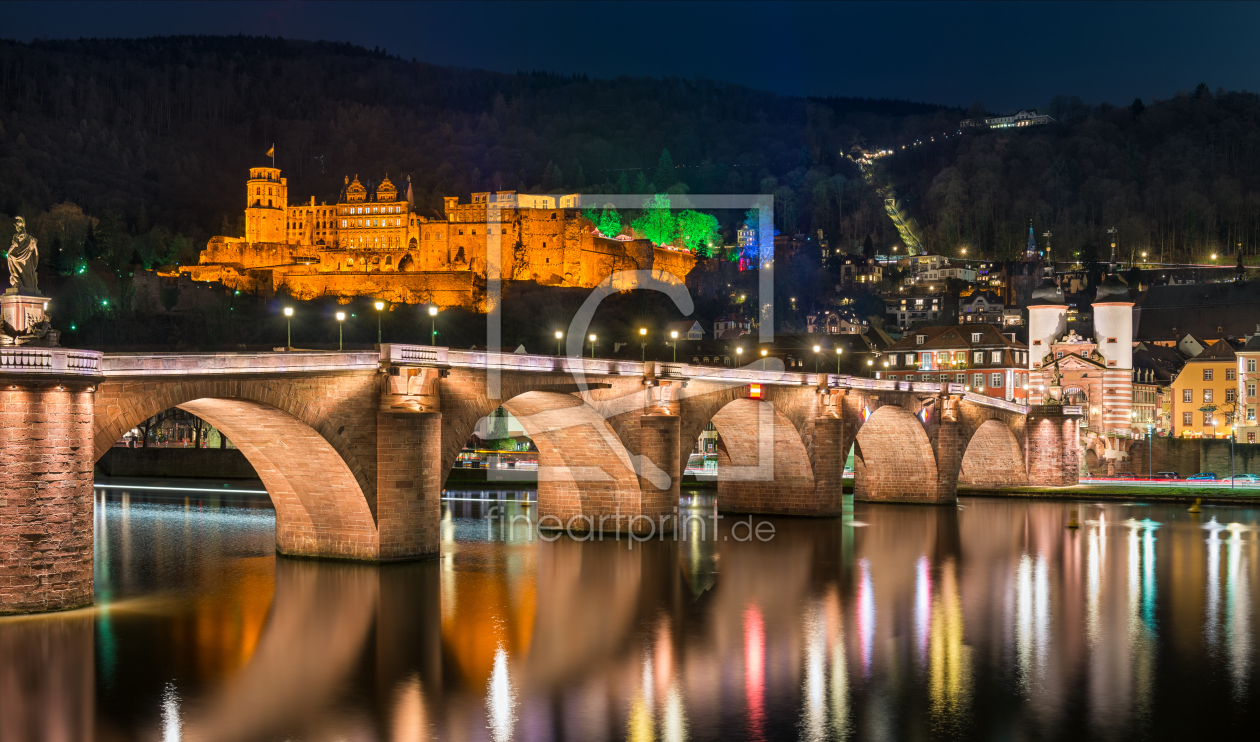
[271,152]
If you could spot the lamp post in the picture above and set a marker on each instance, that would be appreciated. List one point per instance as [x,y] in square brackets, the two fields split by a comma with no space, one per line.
[870,365]
[817,348]
[673,334]
[643,343]
[341,319]
[739,354]
[432,325]
[839,352]
[288,320]
[592,339]
[559,335]
[380,307]
[763,358]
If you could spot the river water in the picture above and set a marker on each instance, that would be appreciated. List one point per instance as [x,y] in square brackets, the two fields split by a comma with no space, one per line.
[989,620]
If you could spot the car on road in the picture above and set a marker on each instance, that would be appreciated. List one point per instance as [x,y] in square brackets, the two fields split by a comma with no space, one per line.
[1123,475]
[1244,479]
[1203,476]
[1164,475]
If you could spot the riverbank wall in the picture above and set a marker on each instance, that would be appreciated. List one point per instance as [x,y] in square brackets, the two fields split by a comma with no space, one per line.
[193,463]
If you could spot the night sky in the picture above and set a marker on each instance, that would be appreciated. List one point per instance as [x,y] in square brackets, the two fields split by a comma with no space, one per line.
[1007,55]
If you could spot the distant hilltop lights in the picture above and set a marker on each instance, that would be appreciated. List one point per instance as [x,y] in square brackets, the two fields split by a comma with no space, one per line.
[1023,117]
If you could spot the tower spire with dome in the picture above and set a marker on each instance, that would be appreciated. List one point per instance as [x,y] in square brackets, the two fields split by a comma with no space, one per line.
[1030,251]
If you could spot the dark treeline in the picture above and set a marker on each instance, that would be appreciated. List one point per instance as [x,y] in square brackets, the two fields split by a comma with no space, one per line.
[160,132]
[1179,179]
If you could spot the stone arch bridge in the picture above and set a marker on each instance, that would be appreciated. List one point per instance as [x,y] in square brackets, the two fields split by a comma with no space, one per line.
[354,447]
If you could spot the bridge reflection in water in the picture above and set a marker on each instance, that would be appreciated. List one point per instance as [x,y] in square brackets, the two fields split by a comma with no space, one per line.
[893,621]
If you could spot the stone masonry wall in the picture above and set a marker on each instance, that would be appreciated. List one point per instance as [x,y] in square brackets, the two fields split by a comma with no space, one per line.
[46,502]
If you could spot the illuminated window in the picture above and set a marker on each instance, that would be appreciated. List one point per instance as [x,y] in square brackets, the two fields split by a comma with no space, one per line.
[1229,395]
[1251,365]
[1230,375]
[977,380]
[995,380]
[1207,418]
[1251,389]
[1207,396]
[1207,374]
[1187,395]
[1187,418]
[1251,416]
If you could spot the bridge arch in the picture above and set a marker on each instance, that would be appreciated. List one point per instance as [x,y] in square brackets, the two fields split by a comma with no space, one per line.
[324,500]
[586,470]
[763,465]
[993,457]
[893,460]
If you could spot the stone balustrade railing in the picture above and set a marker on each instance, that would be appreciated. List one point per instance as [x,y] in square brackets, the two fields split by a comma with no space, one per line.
[57,361]
[188,364]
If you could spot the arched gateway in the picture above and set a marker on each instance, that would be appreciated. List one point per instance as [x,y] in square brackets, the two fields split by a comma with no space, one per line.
[354,447]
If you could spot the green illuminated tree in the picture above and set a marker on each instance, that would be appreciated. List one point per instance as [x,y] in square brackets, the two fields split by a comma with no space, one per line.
[610,222]
[697,231]
[657,223]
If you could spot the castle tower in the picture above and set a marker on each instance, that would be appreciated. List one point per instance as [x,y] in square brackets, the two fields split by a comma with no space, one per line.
[267,199]
[1047,321]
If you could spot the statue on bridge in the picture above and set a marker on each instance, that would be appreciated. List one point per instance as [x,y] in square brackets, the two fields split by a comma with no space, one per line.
[24,318]
[23,259]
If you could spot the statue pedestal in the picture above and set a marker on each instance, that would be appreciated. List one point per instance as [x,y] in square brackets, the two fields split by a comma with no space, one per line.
[21,310]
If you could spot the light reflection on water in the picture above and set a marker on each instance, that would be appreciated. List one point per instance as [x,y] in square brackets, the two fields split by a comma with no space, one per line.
[992,621]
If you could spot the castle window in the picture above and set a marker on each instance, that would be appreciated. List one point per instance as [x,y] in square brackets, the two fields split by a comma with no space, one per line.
[343,222]
[505,230]
[426,235]
[461,231]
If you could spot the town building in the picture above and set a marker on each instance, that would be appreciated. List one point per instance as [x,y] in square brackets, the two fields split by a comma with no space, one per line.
[906,311]
[1248,378]
[833,322]
[730,326]
[372,242]
[981,357]
[859,272]
[1205,396]
[687,330]
[982,307]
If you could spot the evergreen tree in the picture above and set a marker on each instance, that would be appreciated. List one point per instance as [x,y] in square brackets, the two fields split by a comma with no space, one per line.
[623,183]
[665,175]
[640,183]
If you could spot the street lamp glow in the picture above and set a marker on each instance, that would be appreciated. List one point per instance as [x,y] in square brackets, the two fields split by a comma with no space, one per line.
[432,325]
[380,306]
[288,311]
[559,335]
[592,339]
[673,334]
[341,319]
[432,311]
[643,344]
[288,321]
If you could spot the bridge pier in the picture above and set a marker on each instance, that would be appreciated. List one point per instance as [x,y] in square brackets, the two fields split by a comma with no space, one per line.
[46,502]
[1053,447]
[408,483]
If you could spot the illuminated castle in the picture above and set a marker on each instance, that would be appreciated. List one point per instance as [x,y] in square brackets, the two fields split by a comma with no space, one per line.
[373,243]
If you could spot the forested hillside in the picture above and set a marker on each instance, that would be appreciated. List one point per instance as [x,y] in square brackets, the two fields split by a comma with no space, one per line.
[1179,179]
[152,138]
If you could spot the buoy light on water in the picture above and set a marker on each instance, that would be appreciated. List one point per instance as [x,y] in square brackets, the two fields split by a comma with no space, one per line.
[1195,507]
[1072,520]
